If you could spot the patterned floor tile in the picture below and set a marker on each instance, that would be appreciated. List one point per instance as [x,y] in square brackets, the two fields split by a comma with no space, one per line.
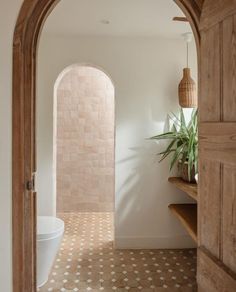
[87,261]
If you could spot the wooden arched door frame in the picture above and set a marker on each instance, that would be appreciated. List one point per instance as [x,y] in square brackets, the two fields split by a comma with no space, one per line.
[29,24]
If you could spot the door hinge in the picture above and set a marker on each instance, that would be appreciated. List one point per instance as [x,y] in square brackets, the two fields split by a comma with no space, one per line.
[30,185]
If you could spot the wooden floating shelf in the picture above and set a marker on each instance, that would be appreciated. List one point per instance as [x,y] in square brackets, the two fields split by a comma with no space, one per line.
[179,18]
[187,214]
[188,188]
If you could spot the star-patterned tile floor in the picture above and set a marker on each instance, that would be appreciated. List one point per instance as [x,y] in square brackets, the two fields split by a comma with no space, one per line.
[87,261]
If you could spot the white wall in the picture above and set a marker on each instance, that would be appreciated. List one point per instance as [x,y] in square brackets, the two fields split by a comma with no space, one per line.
[8,15]
[146,73]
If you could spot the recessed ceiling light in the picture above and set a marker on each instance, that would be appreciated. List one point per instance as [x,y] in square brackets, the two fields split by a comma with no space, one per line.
[105,21]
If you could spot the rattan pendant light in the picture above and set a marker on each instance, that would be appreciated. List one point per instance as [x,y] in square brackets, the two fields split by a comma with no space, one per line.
[187,86]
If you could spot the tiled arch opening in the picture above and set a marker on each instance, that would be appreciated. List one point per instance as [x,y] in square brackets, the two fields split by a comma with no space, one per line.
[85,140]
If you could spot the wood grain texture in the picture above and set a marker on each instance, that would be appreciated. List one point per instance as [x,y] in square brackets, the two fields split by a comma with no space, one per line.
[29,23]
[217,141]
[218,134]
[229,217]
[199,4]
[225,156]
[209,206]
[214,276]
[194,7]
[210,78]
[18,186]
[215,11]
[229,69]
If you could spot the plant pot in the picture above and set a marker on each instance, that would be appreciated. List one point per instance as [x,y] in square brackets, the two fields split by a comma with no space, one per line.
[184,172]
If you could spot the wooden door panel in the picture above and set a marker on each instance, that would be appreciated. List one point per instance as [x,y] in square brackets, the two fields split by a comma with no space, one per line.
[215,11]
[229,217]
[229,69]
[210,75]
[217,148]
[213,276]
[226,156]
[209,232]
[218,135]
[217,141]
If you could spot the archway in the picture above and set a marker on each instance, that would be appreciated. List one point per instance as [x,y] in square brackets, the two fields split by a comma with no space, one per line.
[29,25]
[216,256]
[78,89]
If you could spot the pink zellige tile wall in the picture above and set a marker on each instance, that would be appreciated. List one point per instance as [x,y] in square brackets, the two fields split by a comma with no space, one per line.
[85,141]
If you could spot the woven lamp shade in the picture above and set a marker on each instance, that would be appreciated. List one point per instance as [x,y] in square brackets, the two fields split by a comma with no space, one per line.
[187,91]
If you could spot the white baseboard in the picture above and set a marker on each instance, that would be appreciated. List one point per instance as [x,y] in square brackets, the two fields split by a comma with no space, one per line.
[177,242]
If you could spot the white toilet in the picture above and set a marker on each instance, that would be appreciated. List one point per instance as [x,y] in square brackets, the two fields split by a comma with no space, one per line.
[49,235]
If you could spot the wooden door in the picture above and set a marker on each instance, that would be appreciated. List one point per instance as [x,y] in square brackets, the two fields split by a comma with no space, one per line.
[217,133]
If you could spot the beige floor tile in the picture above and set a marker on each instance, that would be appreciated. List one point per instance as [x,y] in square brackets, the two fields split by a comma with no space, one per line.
[87,261]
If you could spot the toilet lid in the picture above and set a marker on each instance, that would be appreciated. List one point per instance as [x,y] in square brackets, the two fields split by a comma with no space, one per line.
[48,227]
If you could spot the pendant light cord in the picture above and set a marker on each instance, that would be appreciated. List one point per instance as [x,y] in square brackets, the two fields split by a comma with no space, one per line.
[187,54]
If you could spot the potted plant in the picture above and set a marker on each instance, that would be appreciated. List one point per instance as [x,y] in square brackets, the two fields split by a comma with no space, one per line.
[183,145]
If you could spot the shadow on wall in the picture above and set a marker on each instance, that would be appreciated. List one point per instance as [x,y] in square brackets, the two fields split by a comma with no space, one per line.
[144,166]
[143,196]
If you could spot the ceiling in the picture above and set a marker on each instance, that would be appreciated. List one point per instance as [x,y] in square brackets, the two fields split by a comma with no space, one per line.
[129,18]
